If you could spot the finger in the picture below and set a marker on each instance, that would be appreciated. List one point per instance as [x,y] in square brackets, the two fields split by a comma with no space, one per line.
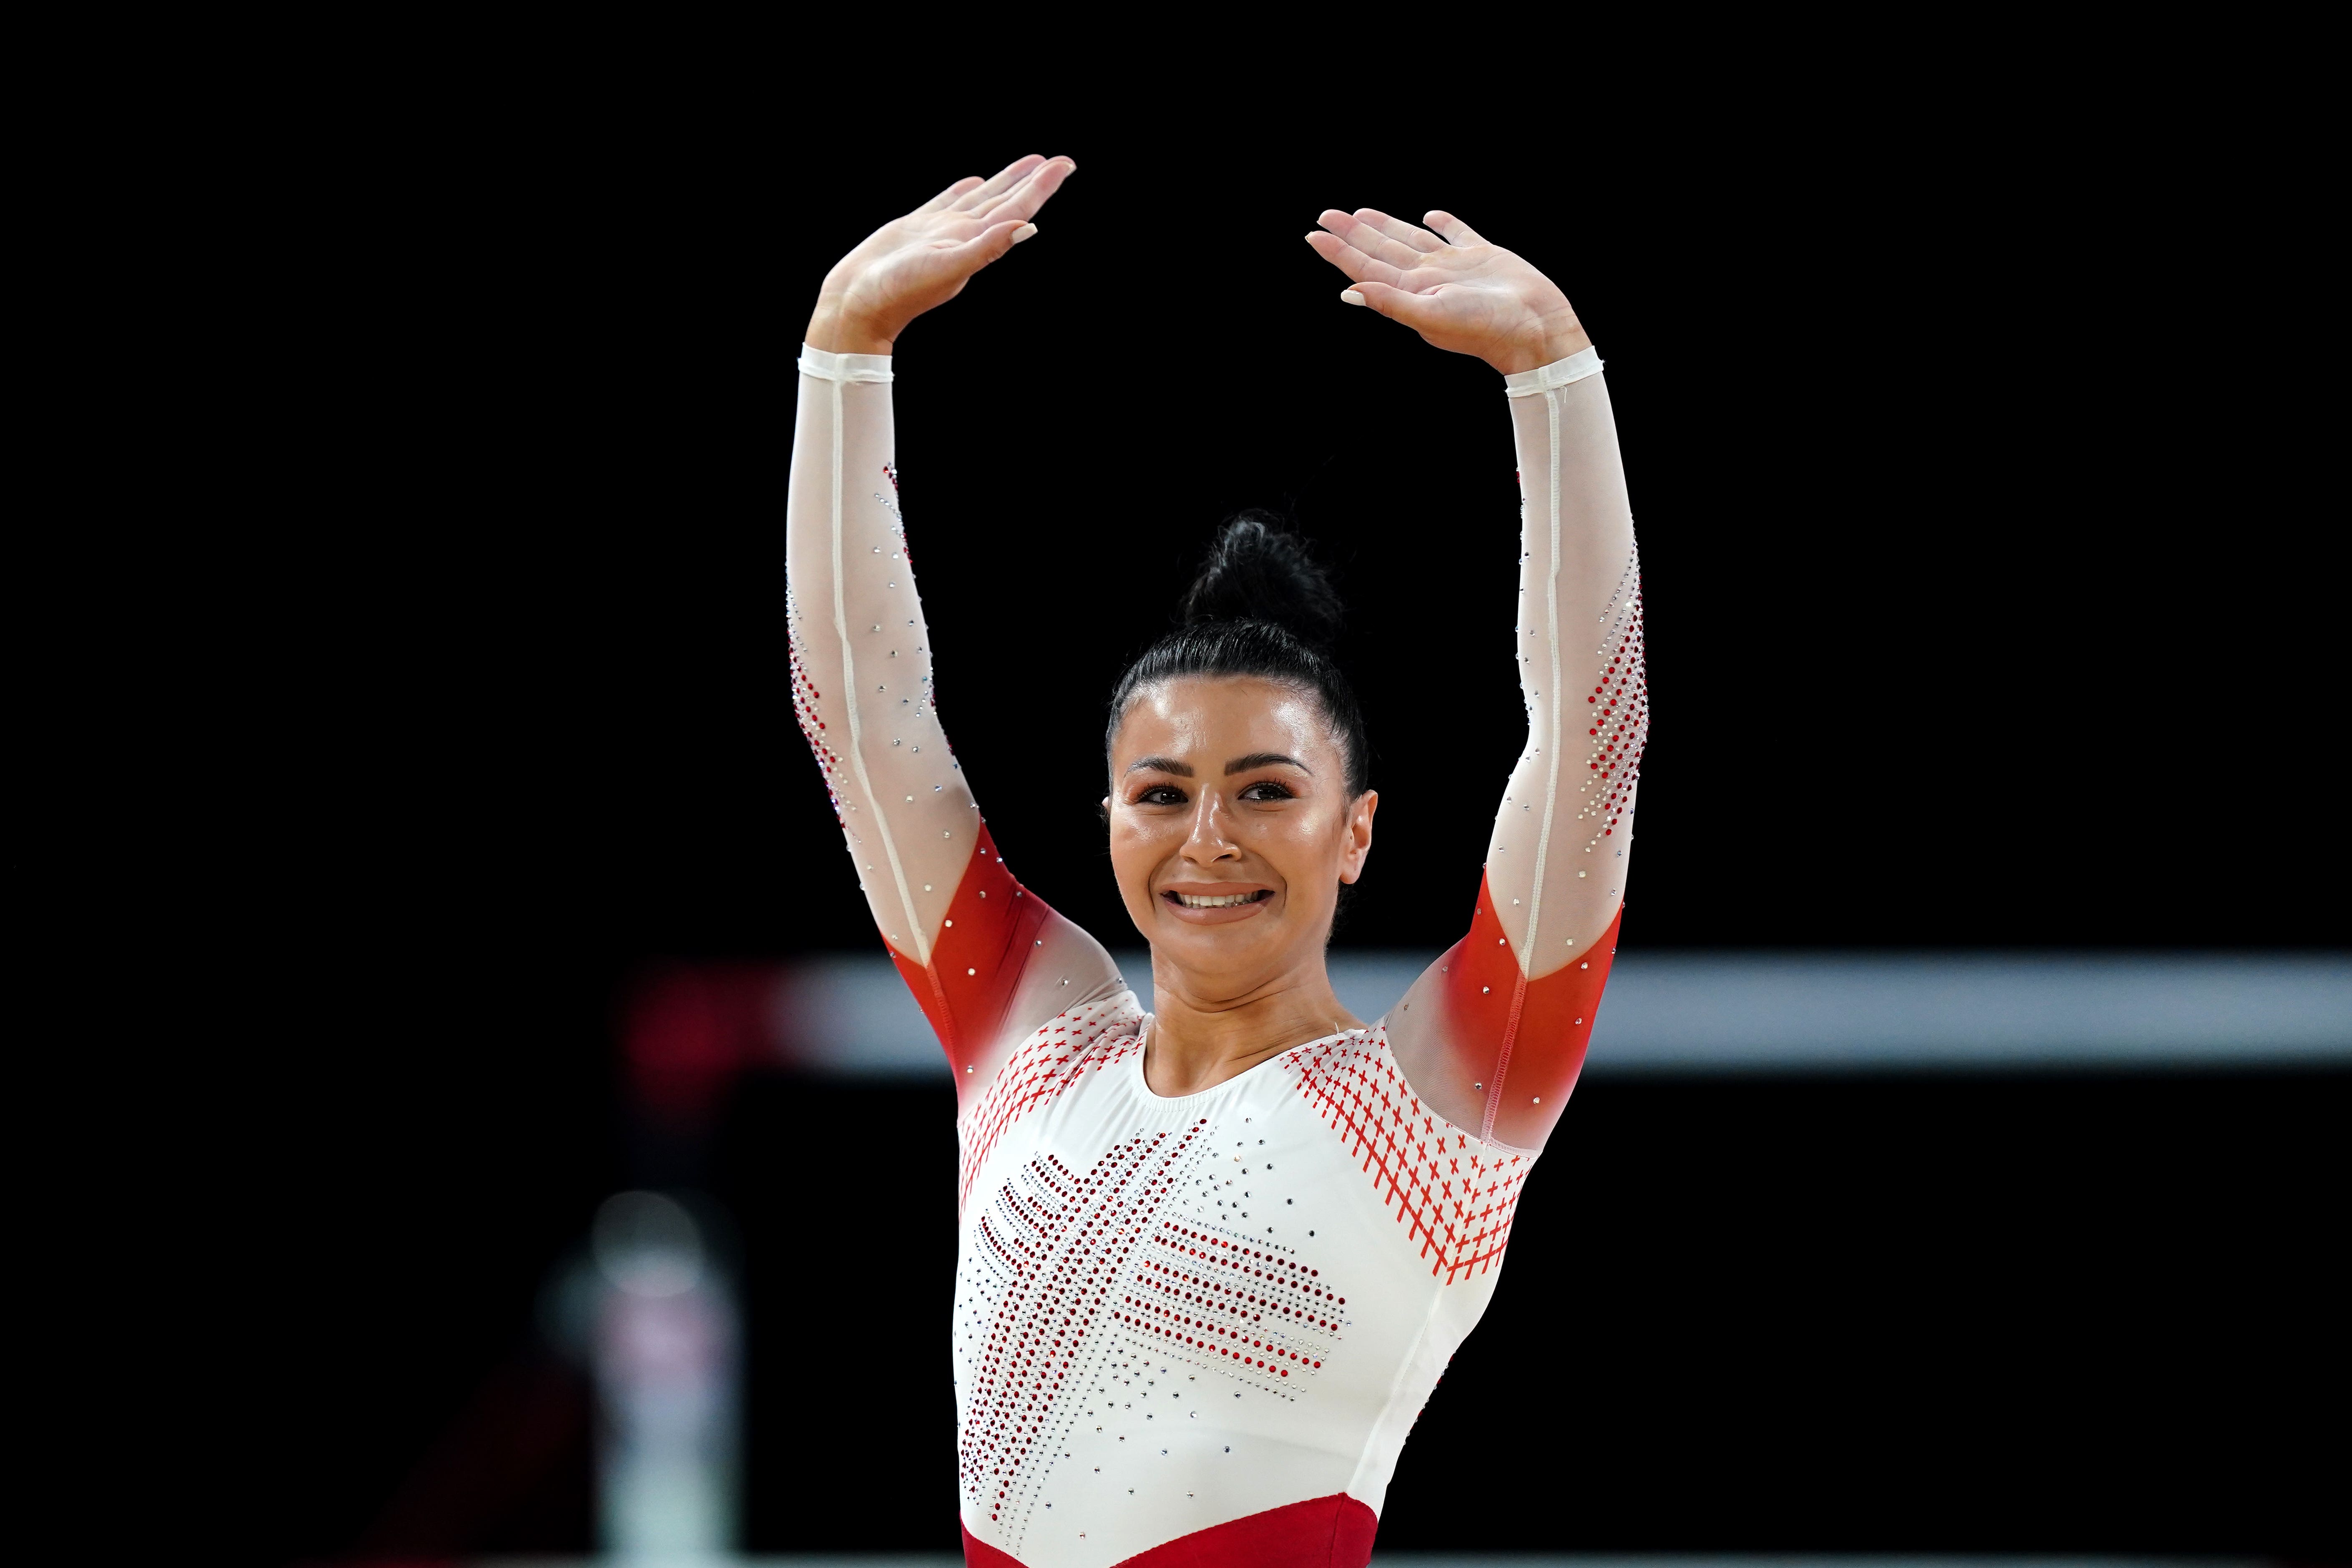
[1415,310]
[1364,237]
[1352,261]
[1034,191]
[1396,228]
[999,181]
[1455,231]
[991,243]
[970,181]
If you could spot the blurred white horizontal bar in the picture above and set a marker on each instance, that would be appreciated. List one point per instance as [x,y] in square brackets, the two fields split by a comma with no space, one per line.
[1683,1013]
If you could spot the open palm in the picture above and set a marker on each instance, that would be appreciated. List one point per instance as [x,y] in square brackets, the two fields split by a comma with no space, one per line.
[920,261]
[1454,288]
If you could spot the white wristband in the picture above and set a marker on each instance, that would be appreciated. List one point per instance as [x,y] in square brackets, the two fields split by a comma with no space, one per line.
[827,366]
[1560,373]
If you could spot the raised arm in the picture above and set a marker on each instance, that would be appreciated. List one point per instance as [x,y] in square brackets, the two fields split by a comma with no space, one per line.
[985,957]
[1493,1034]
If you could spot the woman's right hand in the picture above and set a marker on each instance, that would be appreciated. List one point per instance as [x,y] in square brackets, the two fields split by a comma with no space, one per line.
[918,262]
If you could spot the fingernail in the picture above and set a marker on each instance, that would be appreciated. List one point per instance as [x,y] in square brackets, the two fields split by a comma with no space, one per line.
[1024,232]
[1351,296]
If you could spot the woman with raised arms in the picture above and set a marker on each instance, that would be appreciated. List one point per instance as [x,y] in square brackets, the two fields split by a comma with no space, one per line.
[1215,1253]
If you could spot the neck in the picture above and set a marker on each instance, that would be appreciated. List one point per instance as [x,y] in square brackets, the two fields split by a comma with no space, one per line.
[1203,1033]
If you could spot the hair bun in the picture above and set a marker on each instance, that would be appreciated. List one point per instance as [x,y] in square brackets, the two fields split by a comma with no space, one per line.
[1259,571]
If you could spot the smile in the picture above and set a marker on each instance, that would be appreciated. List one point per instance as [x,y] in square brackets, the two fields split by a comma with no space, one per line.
[1220,900]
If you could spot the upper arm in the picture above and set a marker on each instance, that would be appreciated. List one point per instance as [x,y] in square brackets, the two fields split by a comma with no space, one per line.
[1003,964]
[1489,1050]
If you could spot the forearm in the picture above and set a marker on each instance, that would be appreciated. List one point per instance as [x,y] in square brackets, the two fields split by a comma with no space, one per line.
[1557,864]
[861,654]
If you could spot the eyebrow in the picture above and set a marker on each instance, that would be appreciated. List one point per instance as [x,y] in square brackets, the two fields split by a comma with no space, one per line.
[1238,765]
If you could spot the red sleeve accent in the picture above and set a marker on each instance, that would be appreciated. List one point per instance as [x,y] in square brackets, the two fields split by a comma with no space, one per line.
[1524,1040]
[978,956]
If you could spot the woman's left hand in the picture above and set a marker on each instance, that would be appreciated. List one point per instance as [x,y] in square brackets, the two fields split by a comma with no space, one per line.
[1456,289]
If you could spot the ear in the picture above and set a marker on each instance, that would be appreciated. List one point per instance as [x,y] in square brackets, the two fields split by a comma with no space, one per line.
[1359,830]
[1103,811]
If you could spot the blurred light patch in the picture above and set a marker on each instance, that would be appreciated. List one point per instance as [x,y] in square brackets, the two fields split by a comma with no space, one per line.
[647,1245]
[667,1353]
[1683,1013]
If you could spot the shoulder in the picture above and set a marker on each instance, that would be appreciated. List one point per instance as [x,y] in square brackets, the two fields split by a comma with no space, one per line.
[1355,1083]
[1359,1072]
[1050,1059]
[1452,1194]
[1087,1036]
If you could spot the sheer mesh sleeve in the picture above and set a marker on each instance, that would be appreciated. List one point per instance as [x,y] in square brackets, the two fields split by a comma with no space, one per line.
[985,957]
[1493,1034]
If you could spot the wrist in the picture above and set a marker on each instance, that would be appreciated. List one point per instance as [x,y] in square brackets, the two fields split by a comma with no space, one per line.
[836,329]
[1555,343]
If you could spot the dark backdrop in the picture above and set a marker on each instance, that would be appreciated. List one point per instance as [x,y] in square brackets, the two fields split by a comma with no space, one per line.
[1984,606]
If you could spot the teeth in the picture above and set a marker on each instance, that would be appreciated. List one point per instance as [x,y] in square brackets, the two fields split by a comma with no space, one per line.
[1222,901]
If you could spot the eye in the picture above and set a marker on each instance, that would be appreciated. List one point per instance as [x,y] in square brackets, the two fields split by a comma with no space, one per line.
[1161,794]
[1268,789]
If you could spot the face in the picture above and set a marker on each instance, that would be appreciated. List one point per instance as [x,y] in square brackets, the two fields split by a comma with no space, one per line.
[1230,827]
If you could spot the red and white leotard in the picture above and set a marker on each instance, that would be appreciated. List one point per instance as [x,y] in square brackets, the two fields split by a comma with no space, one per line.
[1198,1330]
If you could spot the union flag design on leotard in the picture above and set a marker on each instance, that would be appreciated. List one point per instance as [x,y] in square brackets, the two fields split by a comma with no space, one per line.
[1216,1300]
[1054,1249]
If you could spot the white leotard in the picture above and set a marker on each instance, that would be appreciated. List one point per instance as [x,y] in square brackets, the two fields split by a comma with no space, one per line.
[1199,1329]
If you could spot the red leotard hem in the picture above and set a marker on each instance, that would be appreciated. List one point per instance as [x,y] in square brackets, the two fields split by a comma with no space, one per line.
[1333,1531]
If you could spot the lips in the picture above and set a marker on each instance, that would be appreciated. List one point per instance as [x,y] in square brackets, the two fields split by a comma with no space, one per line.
[1213,903]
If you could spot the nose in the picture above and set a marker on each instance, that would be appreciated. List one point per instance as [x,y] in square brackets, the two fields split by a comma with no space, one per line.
[1206,844]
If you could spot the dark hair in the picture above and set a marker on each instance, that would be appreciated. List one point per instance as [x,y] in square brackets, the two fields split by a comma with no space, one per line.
[1259,607]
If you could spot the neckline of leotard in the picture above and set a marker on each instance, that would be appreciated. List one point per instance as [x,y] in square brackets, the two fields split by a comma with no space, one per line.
[1143,1085]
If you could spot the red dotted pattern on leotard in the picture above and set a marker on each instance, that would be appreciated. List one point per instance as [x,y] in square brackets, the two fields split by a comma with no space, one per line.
[1055,1245]
[805,701]
[1205,1298]
[1618,708]
[1082,1040]
[1456,1195]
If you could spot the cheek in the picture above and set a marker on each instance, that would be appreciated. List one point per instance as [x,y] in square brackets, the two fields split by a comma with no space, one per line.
[1306,844]
[1136,850]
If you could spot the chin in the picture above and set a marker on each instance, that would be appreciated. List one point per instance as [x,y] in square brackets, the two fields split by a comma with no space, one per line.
[1252,943]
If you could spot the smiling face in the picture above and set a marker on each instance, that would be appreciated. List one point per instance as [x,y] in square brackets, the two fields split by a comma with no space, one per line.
[1231,828]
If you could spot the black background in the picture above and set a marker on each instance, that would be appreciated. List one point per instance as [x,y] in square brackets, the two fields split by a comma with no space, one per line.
[1984,610]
